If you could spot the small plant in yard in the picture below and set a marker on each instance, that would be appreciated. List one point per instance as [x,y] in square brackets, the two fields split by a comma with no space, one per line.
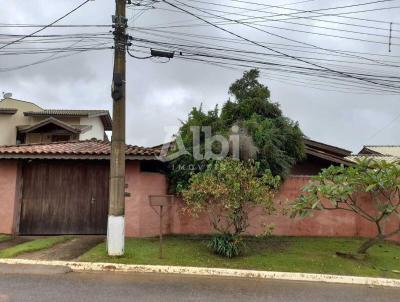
[369,189]
[227,245]
[228,190]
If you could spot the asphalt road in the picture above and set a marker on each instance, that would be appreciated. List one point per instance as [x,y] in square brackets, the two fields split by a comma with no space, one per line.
[110,287]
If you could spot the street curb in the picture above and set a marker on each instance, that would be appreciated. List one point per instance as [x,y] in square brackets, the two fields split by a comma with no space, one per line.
[220,272]
[29,269]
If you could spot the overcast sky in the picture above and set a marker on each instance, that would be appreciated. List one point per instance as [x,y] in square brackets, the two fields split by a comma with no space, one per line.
[161,94]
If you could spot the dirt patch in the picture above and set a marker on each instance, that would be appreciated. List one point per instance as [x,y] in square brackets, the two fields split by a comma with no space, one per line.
[69,250]
[13,242]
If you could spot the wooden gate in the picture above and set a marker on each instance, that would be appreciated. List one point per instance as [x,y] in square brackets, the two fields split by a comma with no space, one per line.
[64,197]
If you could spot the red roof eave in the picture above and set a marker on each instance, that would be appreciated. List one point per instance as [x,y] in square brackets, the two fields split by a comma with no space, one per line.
[89,149]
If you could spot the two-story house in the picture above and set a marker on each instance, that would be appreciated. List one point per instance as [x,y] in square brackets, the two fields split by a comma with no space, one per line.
[24,122]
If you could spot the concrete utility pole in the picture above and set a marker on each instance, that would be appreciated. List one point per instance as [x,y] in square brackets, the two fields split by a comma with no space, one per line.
[116,214]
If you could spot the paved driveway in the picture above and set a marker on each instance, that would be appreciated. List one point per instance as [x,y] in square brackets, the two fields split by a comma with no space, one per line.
[113,287]
[69,250]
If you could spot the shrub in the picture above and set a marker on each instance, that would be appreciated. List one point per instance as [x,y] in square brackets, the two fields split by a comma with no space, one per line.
[227,245]
[228,191]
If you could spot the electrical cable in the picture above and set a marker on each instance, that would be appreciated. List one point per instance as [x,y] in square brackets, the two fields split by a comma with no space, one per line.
[276,51]
[133,56]
[259,29]
[46,26]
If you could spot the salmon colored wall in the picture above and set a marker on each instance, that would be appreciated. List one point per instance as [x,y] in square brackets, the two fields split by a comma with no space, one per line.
[327,223]
[8,185]
[141,220]
[320,224]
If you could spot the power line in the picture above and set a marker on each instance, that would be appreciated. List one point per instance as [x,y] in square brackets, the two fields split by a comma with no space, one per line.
[58,35]
[269,71]
[53,50]
[52,57]
[259,63]
[23,25]
[55,37]
[241,51]
[136,57]
[205,45]
[216,55]
[302,31]
[264,18]
[267,18]
[297,2]
[336,7]
[276,51]
[46,26]
[299,48]
[304,11]
[262,30]
[292,68]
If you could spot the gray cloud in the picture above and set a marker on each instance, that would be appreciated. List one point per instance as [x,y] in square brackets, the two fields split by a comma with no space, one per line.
[159,95]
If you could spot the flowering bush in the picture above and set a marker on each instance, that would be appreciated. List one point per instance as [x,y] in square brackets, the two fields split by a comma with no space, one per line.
[227,190]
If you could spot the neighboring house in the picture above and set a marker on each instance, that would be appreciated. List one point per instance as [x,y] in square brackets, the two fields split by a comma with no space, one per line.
[24,122]
[389,153]
[320,156]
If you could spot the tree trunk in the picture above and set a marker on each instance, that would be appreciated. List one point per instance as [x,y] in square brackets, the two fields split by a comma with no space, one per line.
[368,244]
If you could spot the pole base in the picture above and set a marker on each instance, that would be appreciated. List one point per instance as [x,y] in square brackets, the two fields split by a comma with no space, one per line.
[116,235]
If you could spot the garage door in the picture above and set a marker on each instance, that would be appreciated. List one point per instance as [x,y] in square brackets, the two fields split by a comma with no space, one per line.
[64,197]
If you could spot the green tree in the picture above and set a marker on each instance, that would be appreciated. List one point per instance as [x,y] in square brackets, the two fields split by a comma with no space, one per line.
[278,139]
[228,190]
[250,97]
[342,188]
[182,168]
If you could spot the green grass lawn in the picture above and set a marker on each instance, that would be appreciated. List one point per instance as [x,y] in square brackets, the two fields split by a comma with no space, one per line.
[287,254]
[4,237]
[33,246]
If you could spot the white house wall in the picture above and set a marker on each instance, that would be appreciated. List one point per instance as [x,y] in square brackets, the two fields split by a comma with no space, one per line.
[97,130]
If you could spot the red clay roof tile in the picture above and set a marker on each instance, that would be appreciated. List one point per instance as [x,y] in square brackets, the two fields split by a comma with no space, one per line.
[88,147]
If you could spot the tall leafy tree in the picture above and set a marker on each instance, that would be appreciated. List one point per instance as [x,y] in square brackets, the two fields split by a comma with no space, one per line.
[278,139]
[182,168]
[249,97]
